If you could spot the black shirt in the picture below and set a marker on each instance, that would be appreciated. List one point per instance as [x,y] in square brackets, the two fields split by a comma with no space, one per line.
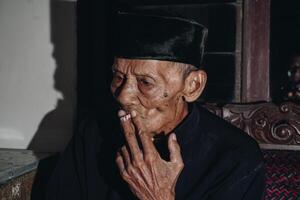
[220,162]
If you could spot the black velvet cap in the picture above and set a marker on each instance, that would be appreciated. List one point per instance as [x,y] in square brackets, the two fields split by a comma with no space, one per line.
[159,37]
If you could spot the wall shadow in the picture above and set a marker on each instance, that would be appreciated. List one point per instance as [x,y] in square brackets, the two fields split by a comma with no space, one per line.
[56,128]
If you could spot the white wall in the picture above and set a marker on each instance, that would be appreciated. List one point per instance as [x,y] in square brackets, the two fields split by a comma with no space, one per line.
[37,73]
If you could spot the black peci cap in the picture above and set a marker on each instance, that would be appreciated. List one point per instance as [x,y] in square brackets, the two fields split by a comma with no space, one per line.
[159,37]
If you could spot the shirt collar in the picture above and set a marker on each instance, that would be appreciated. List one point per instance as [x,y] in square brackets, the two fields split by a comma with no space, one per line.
[185,130]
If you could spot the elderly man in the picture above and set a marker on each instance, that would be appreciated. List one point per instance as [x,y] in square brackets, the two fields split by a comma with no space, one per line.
[169,147]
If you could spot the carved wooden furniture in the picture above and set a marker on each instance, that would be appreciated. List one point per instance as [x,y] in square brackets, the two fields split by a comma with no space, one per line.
[273,126]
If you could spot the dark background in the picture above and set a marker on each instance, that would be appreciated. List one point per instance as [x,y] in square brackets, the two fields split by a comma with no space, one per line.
[284,42]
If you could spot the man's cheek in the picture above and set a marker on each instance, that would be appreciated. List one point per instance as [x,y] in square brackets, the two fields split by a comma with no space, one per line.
[158,106]
[157,98]
[166,104]
[154,103]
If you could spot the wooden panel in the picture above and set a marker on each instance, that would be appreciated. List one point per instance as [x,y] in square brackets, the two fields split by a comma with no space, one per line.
[273,126]
[255,75]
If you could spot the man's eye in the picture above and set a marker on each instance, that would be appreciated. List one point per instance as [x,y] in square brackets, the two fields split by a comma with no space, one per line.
[145,84]
[118,78]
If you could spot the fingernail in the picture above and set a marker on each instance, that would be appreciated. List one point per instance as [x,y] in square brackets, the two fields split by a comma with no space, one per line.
[133,113]
[173,137]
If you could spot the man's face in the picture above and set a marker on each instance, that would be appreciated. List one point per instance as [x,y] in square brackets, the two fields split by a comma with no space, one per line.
[153,89]
[295,69]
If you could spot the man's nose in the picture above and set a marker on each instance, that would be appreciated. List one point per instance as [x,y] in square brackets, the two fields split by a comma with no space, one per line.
[126,93]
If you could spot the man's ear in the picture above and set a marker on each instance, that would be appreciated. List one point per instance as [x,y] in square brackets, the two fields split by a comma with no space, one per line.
[194,85]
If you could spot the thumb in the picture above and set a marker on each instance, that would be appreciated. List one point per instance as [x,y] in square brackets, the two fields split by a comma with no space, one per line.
[175,155]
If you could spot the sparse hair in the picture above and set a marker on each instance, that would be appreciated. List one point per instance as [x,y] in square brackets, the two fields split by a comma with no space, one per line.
[186,69]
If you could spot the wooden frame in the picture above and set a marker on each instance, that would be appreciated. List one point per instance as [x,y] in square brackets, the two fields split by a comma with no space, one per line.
[256,34]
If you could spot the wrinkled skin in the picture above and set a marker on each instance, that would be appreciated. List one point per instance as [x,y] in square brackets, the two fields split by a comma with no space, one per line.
[151,88]
[152,95]
[148,176]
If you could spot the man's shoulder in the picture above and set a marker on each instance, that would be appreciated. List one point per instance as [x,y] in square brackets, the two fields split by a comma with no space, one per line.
[224,136]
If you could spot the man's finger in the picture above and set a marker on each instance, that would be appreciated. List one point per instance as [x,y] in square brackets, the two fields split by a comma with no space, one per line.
[175,155]
[145,138]
[125,156]
[130,136]
[120,163]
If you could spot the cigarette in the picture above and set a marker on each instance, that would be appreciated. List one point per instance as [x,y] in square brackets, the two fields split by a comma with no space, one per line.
[125,118]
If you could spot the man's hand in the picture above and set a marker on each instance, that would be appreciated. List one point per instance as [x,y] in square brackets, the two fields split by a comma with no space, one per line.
[147,174]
